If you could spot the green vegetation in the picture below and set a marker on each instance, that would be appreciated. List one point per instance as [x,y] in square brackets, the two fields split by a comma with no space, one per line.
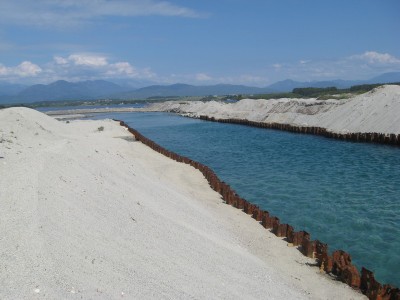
[321,93]
[366,87]
[315,92]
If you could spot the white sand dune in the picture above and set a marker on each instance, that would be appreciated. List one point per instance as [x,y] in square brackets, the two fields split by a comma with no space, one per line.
[376,111]
[87,212]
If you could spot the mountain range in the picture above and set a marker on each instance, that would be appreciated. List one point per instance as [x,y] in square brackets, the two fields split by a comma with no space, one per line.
[101,89]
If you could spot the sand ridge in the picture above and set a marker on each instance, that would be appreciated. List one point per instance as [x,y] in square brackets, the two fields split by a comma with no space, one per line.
[375,111]
[86,211]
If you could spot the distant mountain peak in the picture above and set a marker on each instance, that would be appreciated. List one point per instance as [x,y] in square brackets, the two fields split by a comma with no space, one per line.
[65,90]
[97,89]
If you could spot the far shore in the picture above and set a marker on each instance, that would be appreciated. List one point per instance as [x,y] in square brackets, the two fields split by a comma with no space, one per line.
[377,111]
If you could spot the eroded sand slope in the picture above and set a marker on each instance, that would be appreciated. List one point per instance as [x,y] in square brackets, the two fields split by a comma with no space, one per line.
[376,111]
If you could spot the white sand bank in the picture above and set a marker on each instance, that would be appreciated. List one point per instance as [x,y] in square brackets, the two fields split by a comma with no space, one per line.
[90,213]
[376,111]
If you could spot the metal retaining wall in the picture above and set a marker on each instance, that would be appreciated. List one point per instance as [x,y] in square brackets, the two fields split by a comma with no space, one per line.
[370,137]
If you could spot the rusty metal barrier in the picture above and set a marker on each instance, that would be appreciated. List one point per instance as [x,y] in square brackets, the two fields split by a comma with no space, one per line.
[366,137]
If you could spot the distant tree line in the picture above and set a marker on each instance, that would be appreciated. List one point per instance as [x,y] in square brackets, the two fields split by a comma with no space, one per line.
[311,92]
[316,92]
[323,93]
[363,87]
[319,93]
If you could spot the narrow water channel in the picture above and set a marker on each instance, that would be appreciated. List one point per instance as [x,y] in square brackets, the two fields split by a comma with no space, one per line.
[345,194]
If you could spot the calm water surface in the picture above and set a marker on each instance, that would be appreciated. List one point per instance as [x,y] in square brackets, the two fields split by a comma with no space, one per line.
[345,194]
[56,108]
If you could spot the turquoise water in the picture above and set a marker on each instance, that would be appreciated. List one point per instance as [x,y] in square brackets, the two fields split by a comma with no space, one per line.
[345,194]
[56,108]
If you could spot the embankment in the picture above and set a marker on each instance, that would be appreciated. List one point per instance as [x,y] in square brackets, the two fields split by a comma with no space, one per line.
[369,137]
[371,117]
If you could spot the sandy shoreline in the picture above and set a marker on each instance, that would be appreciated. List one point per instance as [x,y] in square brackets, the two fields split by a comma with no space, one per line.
[86,211]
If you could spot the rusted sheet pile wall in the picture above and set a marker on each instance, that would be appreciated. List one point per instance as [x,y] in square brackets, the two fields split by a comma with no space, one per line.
[339,263]
[370,137]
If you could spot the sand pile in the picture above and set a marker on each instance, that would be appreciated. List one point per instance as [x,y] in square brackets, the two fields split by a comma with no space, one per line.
[87,212]
[376,111]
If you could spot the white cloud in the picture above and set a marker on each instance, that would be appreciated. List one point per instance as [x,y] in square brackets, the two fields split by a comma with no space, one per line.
[125,69]
[89,66]
[358,66]
[94,66]
[147,73]
[202,77]
[25,69]
[120,68]
[60,60]
[3,70]
[74,67]
[373,57]
[140,8]
[277,66]
[88,60]
[65,13]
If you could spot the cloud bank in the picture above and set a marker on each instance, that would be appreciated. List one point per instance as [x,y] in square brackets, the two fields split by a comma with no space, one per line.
[372,57]
[82,66]
[25,69]
[75,67]
[66,13]
[358,66]
[91,66]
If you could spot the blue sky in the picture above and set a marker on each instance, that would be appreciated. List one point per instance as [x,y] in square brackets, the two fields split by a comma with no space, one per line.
[255,42]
